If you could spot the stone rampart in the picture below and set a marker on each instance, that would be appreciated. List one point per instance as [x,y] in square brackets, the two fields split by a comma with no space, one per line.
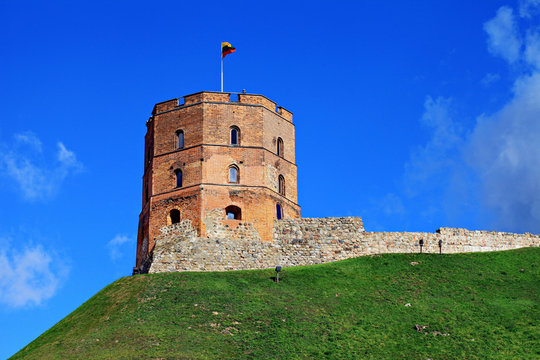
[234,245]
[231,245]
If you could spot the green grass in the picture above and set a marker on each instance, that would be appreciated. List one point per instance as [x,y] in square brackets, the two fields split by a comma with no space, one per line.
[488,303]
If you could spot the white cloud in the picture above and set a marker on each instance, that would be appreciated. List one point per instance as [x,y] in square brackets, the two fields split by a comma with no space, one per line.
[434,158]
[498,160]
[117,246]
[29,138]
[437,115]
[532,49]
[504,150]
[392,205]
[25,163]
[65,156]
[528,8]
[490,78]
[29,277]
[503,36]
[32,180]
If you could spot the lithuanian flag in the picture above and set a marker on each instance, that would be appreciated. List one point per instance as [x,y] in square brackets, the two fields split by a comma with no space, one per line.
[226,49]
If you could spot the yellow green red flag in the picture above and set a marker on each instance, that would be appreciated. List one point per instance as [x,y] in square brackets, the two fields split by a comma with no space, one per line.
[226,49]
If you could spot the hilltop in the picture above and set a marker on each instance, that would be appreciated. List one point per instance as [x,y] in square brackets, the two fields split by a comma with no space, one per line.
[474,306]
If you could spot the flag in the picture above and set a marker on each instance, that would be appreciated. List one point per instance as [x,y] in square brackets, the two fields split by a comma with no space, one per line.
[226,49]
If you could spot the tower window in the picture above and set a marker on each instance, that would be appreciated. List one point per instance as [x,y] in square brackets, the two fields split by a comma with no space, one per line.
[178,174]
[233,212]
[281,185]
[175,216]
[235,136]
[180,139]
[234,175]
[279,212]
[280,147]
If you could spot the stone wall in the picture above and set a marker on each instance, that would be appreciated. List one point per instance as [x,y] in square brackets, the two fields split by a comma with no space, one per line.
[312,241]
[301,245]
[230,247]
[235,245]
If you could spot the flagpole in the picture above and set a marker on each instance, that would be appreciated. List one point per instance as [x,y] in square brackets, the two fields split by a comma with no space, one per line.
[221,56]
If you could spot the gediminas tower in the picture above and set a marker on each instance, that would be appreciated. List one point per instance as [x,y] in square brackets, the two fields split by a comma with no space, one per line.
[209,156]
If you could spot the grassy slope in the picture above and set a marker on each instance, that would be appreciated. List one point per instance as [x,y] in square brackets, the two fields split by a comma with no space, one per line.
[488,303]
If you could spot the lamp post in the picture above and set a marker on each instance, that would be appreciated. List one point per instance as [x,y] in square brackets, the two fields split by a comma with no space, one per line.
[421,242]
[278,269]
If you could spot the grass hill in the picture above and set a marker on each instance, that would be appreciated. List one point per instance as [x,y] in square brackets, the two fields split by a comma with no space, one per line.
[473,306]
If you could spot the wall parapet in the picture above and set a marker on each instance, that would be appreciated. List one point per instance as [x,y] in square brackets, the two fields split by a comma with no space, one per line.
[307,241]
[222,97]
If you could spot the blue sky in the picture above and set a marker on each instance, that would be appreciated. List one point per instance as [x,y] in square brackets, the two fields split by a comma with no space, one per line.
[414,115]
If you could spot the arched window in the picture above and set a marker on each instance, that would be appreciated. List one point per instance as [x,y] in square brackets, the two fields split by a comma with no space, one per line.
[178,173]
[234,174]
[233,212]
[175,216]
[281,185]
[279,212]
[235,135]
[280,147]
[180,138]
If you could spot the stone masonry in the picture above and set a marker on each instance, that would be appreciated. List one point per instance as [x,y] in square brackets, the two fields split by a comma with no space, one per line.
[234,245]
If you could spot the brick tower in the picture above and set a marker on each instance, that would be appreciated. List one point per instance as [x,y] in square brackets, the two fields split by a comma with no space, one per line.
[209,157]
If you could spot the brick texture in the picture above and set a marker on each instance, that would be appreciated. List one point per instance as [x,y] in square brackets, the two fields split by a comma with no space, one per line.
[206,119]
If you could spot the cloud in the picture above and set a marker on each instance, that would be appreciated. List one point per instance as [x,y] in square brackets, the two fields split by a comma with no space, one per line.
[29,277]
[117,246]
[504,150]
[36,176]
[391,204]
[529,8]
[490,79]
[435,158]
[497,161]
[532,49]
[503,36]
[30,139]
[66,157]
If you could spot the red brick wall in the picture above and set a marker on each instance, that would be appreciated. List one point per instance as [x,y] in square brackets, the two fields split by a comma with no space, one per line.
[188,119]
[206,119]
[187,201]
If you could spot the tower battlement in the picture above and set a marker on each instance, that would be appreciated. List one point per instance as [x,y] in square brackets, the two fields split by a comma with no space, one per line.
[222,98]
